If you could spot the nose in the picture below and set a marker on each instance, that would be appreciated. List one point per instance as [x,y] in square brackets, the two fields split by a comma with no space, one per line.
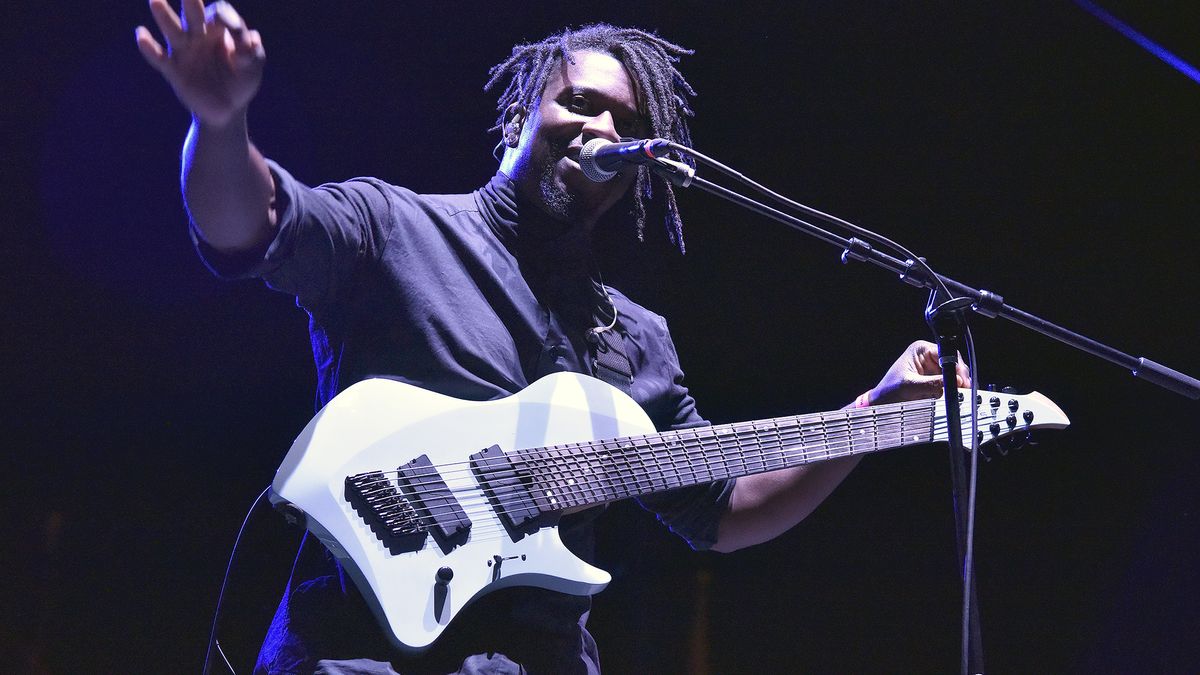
[601,126]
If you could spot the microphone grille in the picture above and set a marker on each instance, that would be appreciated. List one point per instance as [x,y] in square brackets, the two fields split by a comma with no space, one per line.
[587,161]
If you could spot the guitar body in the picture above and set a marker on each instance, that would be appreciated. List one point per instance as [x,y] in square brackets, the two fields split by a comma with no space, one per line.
[379,425]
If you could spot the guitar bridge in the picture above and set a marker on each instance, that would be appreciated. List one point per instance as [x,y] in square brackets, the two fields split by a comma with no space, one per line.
[390,516]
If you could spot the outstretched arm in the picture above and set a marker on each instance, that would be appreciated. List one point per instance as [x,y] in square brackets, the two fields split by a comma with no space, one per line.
[215,64]
[765,505]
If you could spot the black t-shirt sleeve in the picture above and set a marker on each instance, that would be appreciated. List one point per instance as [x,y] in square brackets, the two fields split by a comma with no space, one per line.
[323,237]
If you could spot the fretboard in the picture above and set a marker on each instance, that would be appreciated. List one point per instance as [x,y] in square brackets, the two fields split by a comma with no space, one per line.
[593,472]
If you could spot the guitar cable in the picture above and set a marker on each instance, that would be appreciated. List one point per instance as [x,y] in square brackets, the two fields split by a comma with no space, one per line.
[213,642]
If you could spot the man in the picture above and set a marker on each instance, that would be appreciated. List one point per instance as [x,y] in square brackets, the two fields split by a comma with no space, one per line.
[474,296]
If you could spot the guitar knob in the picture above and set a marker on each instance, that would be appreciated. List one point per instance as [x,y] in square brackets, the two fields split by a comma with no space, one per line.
[1028,416]
[995,428]
[995,402]
[1011,421]
[1013,405]
[444,575]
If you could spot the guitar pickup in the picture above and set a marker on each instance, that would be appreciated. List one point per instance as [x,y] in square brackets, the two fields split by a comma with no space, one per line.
[441,512]
[507,489]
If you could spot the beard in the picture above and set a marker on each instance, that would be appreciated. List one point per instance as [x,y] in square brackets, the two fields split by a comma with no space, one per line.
[558,202]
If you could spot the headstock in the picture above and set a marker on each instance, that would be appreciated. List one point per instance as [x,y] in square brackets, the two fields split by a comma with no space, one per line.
[1005,418]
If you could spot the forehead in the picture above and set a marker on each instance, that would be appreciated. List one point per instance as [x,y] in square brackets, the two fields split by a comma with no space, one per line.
[595,72]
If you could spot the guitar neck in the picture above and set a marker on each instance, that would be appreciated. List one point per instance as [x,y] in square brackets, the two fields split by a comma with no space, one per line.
[594,472]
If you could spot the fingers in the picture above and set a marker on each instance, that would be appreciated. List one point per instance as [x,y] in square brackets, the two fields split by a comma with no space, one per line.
[193,17]
[153,52]
[964,374]
[930,386]
[167,22]
[245,43]
[224,14]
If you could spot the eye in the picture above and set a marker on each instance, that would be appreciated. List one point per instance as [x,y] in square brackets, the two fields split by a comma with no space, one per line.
[579,104]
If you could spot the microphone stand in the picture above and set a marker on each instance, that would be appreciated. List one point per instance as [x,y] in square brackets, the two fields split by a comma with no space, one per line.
[949,305]
[915,273]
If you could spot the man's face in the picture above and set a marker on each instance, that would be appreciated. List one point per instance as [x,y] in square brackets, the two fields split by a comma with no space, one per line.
[592,98]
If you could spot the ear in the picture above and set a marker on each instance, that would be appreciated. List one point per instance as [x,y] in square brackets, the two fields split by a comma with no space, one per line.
[514,120]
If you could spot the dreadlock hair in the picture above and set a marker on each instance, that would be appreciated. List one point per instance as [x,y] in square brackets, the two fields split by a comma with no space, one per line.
[662,94]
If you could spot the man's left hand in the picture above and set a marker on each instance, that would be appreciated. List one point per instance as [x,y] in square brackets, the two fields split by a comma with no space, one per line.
[915,375]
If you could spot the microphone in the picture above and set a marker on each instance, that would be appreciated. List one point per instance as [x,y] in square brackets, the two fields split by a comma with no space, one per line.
[601,159]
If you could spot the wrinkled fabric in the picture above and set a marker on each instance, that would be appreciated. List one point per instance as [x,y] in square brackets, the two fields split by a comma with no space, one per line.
[474,296]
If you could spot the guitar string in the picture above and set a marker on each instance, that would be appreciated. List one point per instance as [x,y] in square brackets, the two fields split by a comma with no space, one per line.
[571,459]
[609,487]
[640,484]
[646,481]
[707,438]
[565,458]
[844,419]
[490,528]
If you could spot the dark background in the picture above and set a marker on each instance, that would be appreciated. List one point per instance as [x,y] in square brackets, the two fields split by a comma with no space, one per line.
[1027,149]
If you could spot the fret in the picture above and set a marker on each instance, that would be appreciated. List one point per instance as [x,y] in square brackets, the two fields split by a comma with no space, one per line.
[841,437]
[643,481]
[533,467]
[601,471]
[814,438]
[609,471]
[723,470]
[858,427]
[582,487]
[681,460]
[568,463]
[658,472]
[553,489]
[750,451]
[773,459]
[696,452]
[731,454]
[575,481]
[749,454]
[672,474]
[622,471]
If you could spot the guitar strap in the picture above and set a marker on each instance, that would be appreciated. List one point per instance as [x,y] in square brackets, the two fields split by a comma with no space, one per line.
[610,363]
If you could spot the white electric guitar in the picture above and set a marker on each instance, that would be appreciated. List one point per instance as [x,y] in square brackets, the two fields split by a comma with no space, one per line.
[431,502]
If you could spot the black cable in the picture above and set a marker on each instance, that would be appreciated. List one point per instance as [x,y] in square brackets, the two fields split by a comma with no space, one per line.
[212,636]
[968,571]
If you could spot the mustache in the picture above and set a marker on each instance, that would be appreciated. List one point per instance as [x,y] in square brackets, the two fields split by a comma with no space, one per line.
[559,148]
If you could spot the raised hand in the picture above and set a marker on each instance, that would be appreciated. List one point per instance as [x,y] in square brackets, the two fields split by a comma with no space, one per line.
[212,60]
